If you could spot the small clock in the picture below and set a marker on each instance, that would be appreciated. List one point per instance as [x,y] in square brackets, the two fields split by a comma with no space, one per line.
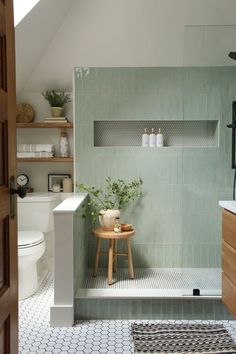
[22,180]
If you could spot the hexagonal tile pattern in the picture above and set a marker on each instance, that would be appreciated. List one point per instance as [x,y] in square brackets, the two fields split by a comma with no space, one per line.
[91,337]
[36,336]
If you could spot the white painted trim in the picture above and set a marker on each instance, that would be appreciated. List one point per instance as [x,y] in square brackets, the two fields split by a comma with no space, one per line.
[62,311]
[62,316]
[70,204]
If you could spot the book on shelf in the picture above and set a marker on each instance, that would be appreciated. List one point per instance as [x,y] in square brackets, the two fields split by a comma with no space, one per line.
[60,118]
[56,120]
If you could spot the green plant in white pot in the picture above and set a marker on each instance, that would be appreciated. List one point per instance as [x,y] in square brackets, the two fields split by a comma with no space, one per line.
[57,100]
[106,204]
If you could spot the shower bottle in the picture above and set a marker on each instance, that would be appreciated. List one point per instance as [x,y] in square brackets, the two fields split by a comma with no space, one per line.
[145,138]
[152,139]
[159,139]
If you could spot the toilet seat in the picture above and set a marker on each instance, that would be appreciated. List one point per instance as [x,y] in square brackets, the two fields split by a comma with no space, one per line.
[27,239]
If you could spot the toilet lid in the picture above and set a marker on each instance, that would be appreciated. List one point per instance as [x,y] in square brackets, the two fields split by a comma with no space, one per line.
[29,238]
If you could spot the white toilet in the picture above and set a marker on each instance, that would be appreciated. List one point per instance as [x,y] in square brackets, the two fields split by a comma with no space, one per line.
[34,219]
[31,247]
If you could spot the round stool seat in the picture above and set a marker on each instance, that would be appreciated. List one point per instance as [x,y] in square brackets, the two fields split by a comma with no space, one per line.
[99,232]
[29,238]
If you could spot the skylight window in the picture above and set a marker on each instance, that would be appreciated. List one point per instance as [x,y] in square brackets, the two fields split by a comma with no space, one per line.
[22,8]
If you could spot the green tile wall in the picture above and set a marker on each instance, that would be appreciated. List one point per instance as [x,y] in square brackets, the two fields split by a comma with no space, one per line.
[156,309]
[178,221]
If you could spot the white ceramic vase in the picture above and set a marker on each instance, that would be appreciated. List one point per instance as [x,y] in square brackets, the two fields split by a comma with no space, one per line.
[107,218]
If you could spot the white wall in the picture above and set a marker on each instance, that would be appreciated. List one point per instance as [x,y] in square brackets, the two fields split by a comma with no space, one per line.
[122,33]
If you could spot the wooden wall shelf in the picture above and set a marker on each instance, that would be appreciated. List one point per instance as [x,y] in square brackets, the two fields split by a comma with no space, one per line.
[44,125]
[45,159]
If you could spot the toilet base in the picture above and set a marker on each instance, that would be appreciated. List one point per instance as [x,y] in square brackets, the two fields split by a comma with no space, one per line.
[28,280]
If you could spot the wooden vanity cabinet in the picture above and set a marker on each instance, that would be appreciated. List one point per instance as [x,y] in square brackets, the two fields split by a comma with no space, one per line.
[229,261]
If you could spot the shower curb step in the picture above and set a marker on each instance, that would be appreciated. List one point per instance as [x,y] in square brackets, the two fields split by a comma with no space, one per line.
[144,294]
[133,308]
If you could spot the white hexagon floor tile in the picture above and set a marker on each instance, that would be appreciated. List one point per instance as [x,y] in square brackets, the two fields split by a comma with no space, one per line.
[91,337]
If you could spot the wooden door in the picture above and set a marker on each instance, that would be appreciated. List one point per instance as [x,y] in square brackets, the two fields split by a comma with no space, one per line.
[8,227]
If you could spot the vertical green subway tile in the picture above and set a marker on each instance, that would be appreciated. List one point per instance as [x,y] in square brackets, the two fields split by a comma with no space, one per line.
[135,309]
[156,309]
[218,255]
[146,308]
[214,109]
[195,107]
[196,256]
[219,311]
[124,307]
[157,94]
[186,255]
[168,259]
[167,309]
[194,80]
[205,255]
[170,107]
[177,310]
[208,310]
[197,307]
[177,255]
[187,310]
[212,256]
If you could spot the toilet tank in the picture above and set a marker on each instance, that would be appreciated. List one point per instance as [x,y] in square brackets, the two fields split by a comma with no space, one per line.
[35,211]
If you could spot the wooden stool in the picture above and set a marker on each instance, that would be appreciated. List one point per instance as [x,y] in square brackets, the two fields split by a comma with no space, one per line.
[112,251]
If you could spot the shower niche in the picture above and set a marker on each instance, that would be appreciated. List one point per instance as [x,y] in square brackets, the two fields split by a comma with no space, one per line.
[177,133]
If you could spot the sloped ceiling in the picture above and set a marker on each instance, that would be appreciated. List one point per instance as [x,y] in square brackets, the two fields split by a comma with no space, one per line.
[34,34]
[59,35]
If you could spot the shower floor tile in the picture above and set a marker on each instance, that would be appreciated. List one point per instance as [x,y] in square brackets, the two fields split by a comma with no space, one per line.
[92,337]
[158,278]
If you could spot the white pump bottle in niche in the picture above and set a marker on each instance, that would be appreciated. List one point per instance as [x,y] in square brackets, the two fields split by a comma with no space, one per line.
[152,139]
[145,138]
[159,139]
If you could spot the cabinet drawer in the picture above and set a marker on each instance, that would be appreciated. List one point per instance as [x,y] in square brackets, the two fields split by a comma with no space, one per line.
[229,294]
[229,228]
[229,261]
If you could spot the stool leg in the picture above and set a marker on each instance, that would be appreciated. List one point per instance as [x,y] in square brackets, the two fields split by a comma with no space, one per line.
[130,260]
[115,257]
[110,261]
[98,246]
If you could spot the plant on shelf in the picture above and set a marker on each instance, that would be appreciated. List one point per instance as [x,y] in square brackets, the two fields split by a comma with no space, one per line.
[57,100]
[106,204]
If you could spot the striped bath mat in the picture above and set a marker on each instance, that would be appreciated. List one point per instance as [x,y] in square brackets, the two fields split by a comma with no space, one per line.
[181,338]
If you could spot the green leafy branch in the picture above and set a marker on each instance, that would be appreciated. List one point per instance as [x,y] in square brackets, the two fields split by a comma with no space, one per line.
[116,195]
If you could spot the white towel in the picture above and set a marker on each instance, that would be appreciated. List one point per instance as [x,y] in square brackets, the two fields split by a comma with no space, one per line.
[34,154]
[35,147]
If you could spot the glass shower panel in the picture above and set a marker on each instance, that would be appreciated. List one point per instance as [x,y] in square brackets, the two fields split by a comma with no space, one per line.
[209,88]
[113,107]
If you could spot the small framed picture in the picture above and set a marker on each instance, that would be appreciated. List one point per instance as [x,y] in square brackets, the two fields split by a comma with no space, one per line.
[56,181]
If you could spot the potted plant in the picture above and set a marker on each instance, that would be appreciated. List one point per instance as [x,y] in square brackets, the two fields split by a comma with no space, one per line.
[106,204]
[57,100]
